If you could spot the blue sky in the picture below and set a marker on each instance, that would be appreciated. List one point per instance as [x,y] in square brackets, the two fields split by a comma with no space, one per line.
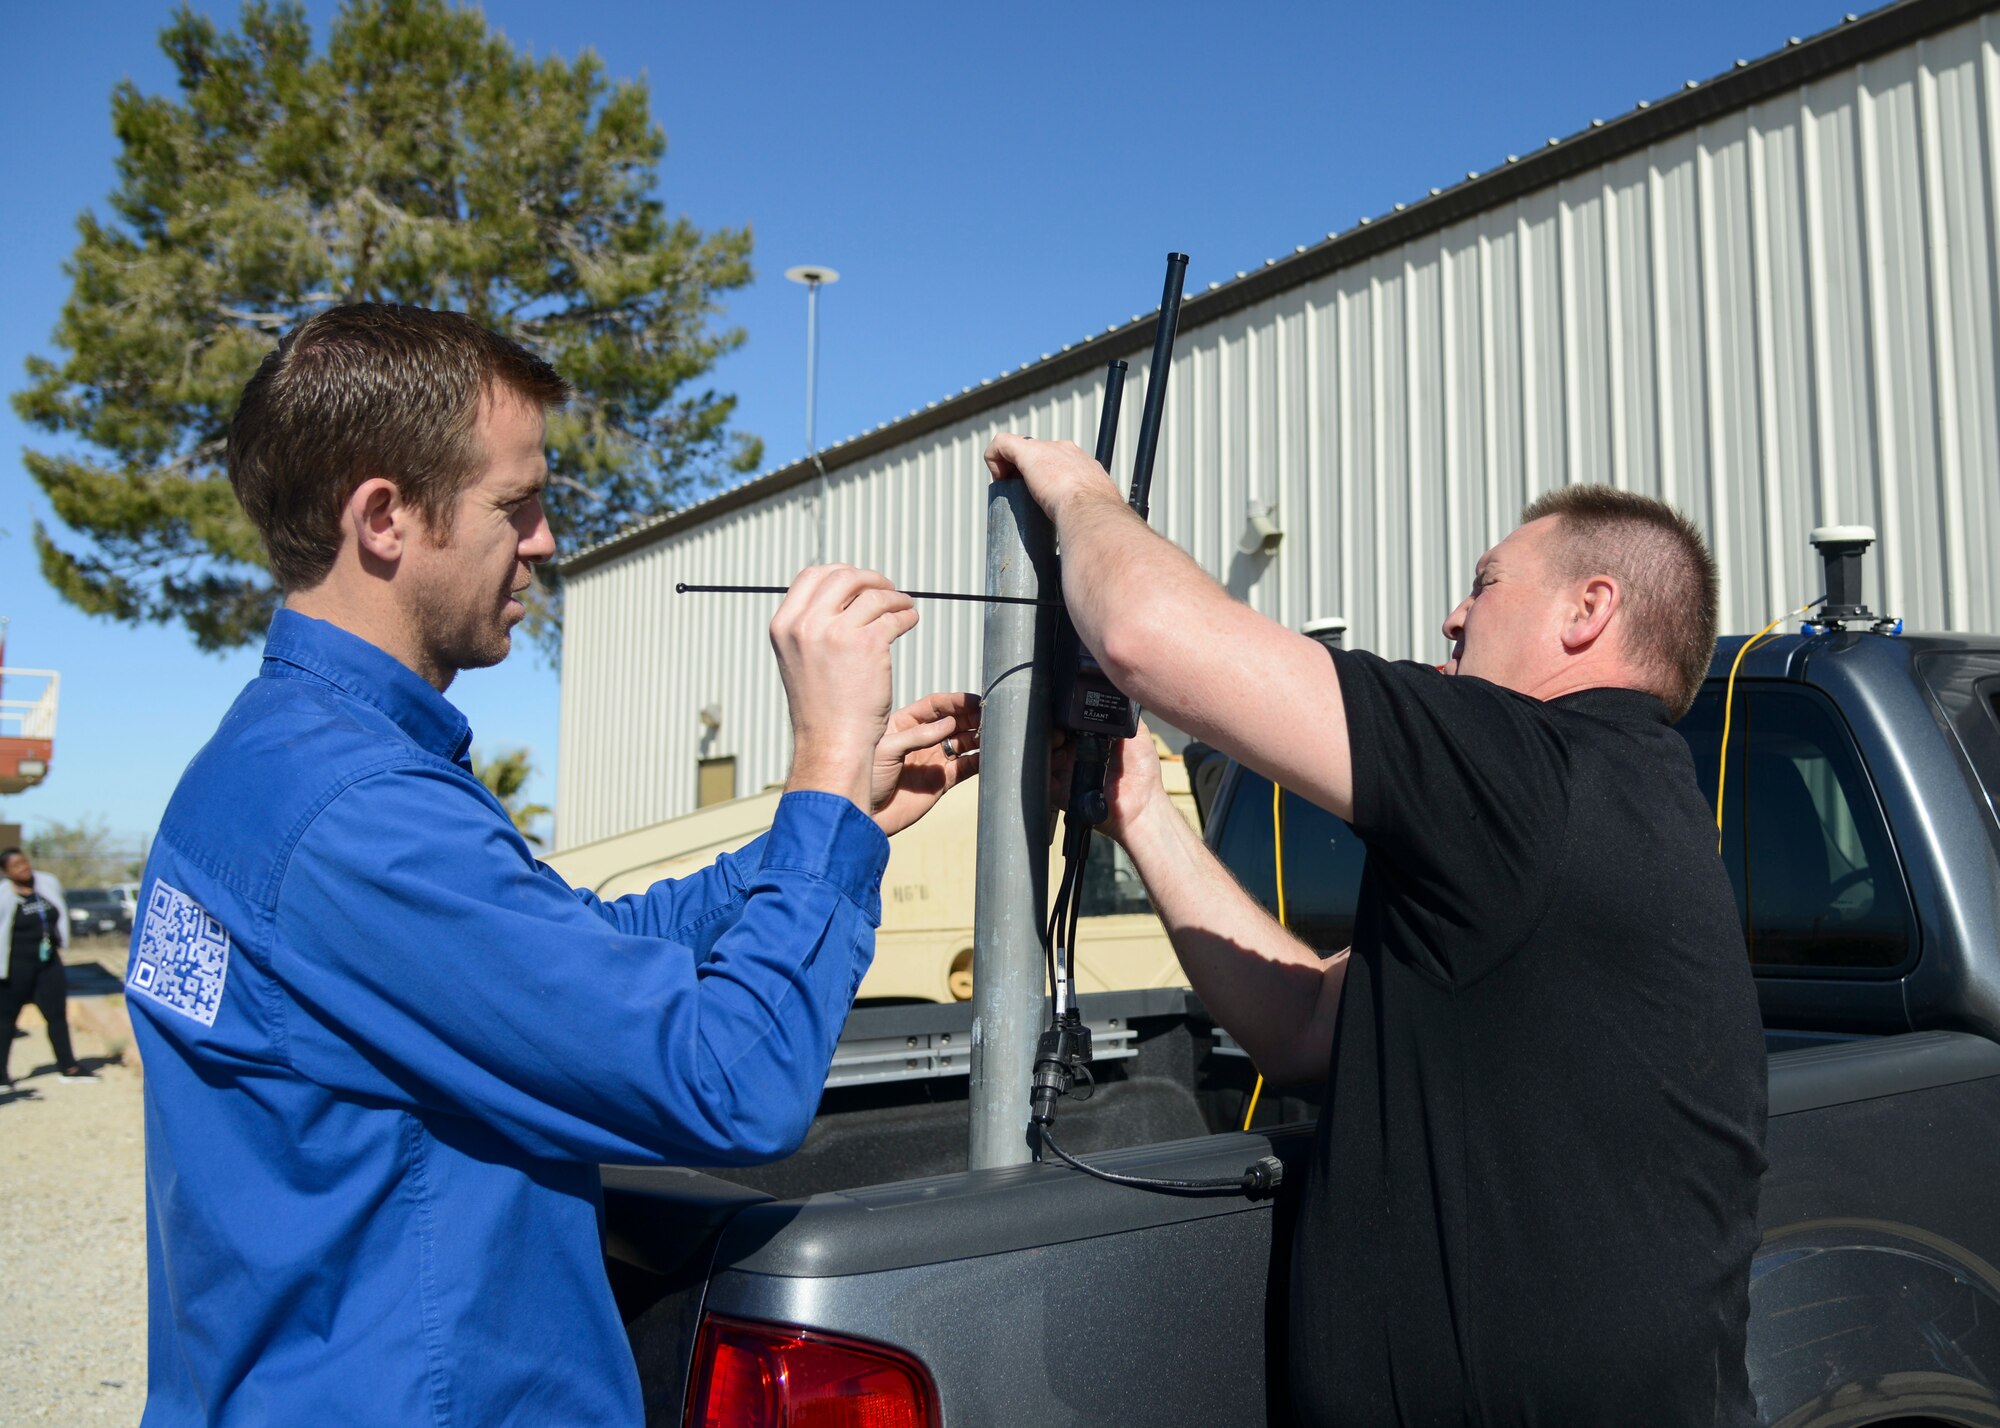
[990,181]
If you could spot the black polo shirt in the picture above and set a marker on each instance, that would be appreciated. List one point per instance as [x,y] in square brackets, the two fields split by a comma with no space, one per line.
[1533,1193]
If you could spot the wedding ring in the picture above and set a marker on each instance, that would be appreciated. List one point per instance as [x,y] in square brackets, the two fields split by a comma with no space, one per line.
[951,748]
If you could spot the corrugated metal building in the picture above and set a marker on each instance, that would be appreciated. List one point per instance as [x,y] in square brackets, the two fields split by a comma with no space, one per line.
[1769,299]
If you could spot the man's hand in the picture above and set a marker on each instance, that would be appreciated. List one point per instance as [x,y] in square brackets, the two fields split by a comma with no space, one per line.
[1277,997]
[1057,472]
[1177,642]
[1133,787]
[928,748]
[832,636]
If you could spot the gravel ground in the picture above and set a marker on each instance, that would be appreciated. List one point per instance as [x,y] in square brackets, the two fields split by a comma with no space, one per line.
[73,1220]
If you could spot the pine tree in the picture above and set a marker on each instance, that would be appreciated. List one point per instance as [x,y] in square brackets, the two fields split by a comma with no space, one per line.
[419,158]
[505,775]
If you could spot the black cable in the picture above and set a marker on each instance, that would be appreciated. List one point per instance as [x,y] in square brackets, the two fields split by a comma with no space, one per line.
[1076,908]
[1049,941]
[1059,942]
[1066,893]
[1260,1177]
[1060,931]
[1078,860]
[1056,907]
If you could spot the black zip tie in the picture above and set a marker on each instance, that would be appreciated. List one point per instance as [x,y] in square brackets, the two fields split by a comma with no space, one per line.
[683,588]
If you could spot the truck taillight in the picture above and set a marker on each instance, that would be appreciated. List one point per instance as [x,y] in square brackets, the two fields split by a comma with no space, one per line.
[772,1376]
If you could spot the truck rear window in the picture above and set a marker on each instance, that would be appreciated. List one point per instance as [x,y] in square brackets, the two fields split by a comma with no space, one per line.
[1323,861]
[1807,848]
[1966,685]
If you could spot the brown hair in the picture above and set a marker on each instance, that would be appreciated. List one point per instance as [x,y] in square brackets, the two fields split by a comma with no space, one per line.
[364,390]
[1663,567]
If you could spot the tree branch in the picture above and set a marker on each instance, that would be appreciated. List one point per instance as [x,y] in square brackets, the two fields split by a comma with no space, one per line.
[194,456]
[273,321]
[570,482]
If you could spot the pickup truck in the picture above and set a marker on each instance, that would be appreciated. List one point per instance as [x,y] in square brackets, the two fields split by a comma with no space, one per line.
[870,1279]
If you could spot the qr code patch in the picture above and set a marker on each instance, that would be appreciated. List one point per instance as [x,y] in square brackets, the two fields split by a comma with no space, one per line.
[183,955]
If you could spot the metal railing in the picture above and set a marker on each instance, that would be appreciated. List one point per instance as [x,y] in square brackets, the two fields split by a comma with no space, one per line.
[29,718]
[866,1060]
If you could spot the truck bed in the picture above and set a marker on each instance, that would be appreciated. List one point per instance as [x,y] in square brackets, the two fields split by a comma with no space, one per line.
[1070,1287]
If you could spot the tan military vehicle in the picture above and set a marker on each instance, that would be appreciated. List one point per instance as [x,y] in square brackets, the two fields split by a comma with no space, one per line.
[924,950]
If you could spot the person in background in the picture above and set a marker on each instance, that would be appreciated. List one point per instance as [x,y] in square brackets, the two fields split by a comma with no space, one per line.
[34,928]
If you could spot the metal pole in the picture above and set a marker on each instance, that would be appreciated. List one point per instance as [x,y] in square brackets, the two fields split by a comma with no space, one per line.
[812,443]
[815,276]
[1012,895]
[812,360]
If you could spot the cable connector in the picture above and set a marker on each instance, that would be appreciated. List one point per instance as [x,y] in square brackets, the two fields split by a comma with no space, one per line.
[1263,1175]
[1260,1177]
[1060,1056]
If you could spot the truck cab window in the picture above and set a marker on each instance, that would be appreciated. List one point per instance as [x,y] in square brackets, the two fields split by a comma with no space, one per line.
[1808,853]
[1966,685]
[1323,862]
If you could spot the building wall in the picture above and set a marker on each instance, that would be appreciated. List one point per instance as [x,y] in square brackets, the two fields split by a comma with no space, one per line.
[1783,318]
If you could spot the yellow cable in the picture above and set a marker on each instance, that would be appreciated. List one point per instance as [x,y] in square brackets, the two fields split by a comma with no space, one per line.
[1278,847]
[1255,1092]
[1729,709]
[1278,861]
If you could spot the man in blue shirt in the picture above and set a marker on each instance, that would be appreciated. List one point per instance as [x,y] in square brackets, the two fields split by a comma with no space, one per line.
[385,1048]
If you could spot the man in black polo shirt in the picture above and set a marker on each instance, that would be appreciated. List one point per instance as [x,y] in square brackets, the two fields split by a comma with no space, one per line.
[1533,1193]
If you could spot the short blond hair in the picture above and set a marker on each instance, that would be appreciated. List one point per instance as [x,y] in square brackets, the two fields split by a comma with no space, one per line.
[1662,564]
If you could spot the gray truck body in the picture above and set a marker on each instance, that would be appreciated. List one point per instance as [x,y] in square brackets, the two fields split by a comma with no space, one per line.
[1035,1294]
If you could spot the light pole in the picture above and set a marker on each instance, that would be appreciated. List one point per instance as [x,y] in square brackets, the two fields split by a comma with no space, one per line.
[814,276]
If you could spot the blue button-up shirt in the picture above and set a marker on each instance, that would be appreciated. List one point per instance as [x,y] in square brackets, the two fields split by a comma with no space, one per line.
[386,1050]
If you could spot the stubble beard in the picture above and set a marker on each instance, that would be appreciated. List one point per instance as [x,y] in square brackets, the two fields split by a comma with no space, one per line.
[454,638]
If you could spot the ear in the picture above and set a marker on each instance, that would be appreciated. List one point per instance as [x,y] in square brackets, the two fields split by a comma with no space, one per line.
[377,519]
[1590,616]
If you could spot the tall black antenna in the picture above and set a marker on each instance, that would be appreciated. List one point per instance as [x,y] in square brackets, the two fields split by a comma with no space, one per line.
[1107,420]
[1156,381]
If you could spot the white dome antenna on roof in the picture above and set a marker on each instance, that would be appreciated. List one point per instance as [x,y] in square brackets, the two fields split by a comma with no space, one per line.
[1840,549]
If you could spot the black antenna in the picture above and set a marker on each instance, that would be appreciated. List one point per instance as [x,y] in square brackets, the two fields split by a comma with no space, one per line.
[1107,421]
[1156,381]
